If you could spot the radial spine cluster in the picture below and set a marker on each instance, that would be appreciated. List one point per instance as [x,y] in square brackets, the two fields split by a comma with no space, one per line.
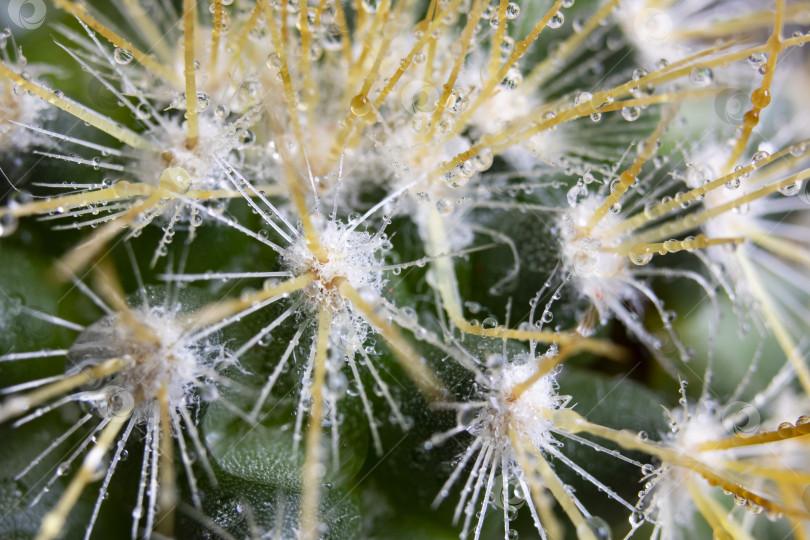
[447,268]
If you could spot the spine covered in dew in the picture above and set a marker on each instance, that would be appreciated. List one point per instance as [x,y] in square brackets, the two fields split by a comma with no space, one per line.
[367,270]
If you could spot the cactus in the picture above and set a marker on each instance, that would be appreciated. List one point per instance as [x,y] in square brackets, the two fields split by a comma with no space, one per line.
[386,269]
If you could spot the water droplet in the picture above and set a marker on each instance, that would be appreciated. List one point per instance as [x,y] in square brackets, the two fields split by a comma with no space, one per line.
[583,97]
[576,193]
[457,101]
[143,111]
[631,114]
[483,160]
[371,6]
[8,224]
[791,189]
[785,429]
[701,76]
[761,98]
[640,259]
[274,61]
[202,101]
[636,518]
[360,105]
[512,79]
[556,21]
[757,59]
[444,206]
[507,45]
[122,56]
[760,155]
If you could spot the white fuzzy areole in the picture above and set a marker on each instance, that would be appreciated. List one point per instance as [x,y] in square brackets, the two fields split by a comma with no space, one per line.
[356,256]
[597,274]
[525,412]
[156,347]
[204,173]
[523,415]
[21,108]
[673,503]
